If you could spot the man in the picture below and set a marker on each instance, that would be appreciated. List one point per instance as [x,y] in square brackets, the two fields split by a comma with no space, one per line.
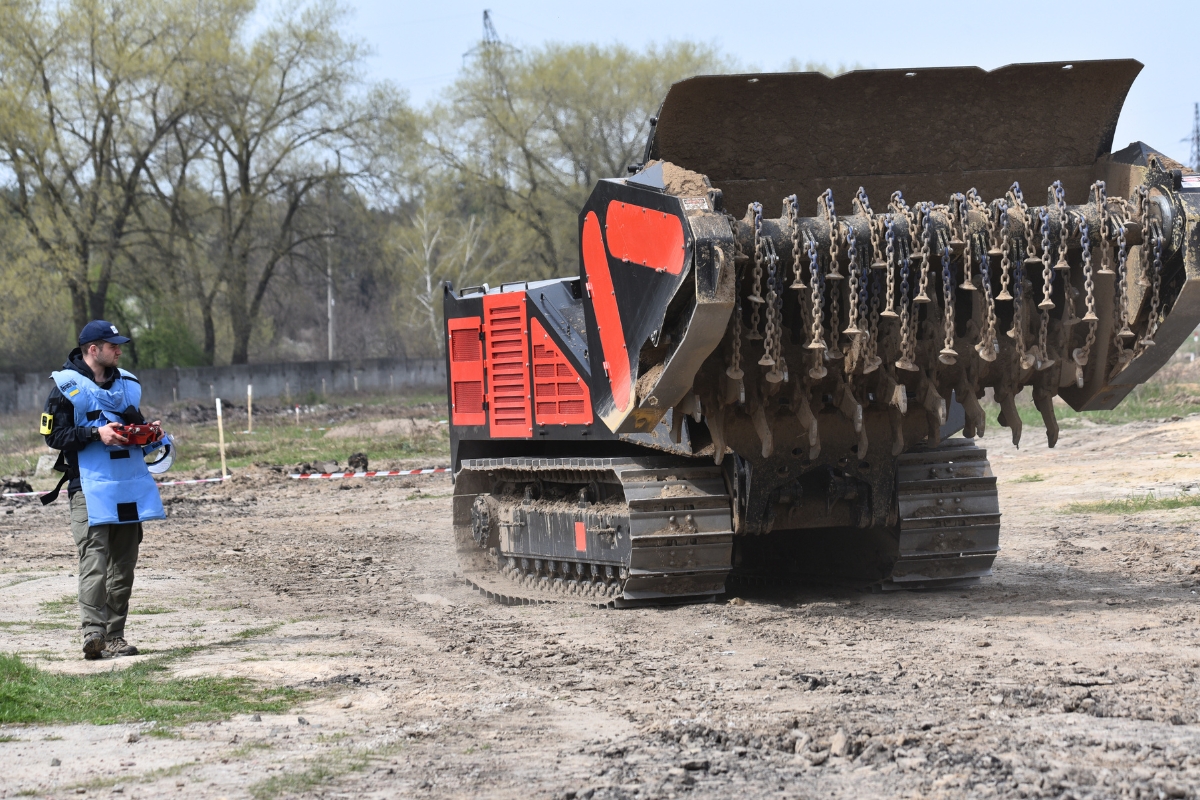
[110,489]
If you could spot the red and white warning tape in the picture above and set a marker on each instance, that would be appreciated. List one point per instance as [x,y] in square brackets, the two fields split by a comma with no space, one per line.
[391,473]
[197,480]
[160,483]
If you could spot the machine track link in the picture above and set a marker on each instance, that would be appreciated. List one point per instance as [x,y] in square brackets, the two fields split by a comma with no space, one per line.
[949,516]
[605,532]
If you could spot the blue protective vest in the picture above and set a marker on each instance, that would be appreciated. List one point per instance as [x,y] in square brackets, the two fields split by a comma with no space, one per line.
[118,486]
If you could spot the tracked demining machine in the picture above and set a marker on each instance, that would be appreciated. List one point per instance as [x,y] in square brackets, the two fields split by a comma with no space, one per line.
[784,314]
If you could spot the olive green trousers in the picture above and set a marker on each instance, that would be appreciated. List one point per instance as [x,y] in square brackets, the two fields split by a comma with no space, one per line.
[107,557]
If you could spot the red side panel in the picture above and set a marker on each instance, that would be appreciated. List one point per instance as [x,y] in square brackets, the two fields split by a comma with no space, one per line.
[466,371]
[508,365]
[581,537]
[560,397]
[644,236]
[608,317]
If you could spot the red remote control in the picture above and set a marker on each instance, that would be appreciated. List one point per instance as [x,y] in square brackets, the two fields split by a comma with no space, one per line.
[139,434]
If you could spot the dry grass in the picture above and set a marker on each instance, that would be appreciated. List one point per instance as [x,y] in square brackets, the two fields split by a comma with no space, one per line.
[277,437]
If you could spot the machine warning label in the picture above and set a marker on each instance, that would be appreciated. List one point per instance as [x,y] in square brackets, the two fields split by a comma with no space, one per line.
[701,203]
[1189,182]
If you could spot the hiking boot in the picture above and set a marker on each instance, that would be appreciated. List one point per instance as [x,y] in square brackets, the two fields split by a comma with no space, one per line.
[117,646]
[93,646]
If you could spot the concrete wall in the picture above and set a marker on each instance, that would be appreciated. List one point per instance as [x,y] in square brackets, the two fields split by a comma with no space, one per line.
[26,392]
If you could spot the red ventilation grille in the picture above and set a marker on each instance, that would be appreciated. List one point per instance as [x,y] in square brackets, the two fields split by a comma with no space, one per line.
[466,371]
[466,348]
[468,398]
[508,365]
[560,397]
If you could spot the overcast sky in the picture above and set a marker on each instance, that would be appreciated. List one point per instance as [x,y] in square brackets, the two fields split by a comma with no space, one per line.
[419,46]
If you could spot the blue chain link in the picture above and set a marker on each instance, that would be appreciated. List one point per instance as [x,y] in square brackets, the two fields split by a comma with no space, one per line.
[947,278]
[815,271]
[984,265]
[1045,215]
[863,291]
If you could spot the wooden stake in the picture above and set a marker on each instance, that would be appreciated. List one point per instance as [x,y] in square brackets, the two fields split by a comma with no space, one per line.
[221,438]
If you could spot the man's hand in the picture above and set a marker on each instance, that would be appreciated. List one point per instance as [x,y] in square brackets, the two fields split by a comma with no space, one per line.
[110,436]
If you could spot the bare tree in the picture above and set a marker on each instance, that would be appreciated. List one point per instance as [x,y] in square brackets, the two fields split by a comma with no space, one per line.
[532,132]
[436,249]
[282,109]
[88,90]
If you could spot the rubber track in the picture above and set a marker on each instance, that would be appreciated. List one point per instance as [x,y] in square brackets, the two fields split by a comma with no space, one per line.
[949,516]
[667,538]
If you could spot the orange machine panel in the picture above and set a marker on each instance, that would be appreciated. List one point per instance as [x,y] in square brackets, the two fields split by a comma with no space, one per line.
[466,371]
[644,236]
[560,397]
[608,316]
[507,341]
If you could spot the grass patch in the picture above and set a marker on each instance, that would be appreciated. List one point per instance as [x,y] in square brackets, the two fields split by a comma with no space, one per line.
[291,445]
[251,633]
[317,771]
[1133,505]
[1032,477]
[63,605]
[8,737]
[140,692]
[248,749]
[20,445]
[152,610]
[276,438]
[1154,400]
[426,496]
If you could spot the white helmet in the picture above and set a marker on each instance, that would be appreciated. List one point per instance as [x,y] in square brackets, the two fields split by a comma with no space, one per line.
[160,455]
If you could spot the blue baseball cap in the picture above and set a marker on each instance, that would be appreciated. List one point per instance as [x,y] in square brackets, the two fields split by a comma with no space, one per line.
[98,330]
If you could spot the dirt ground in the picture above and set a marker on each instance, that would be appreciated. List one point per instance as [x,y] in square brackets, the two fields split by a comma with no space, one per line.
[1070,673]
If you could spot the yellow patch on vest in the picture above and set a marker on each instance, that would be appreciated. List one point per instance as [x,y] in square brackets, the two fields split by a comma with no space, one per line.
[72,394]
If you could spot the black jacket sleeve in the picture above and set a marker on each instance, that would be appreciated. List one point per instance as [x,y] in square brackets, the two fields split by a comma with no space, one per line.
[64,434]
